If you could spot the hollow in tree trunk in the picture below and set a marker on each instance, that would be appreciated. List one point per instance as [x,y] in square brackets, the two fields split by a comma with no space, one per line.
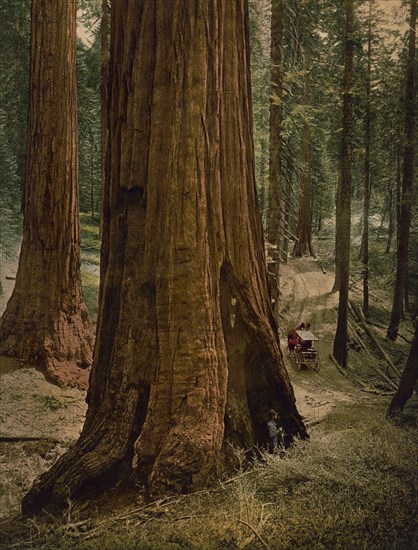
[46,321]
[187,355]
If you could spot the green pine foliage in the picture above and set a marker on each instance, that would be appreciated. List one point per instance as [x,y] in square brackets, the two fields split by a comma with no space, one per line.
[14,70]
[89,128]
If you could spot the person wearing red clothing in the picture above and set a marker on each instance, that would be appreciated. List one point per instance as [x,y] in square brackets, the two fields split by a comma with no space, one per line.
[292,339]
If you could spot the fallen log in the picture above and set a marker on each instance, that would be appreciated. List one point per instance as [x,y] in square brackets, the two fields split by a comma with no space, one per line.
[23,438]
[359,315]
[363,346]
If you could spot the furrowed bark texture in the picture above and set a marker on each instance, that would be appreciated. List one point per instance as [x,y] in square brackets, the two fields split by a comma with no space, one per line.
[46,321]
[367,185]
[407,381]
[404,218]
[343,211]
[303,245]
[276,76]
[187,354]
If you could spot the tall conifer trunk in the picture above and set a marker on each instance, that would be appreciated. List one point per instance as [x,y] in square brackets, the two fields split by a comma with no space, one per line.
[276,77]
[366,198]
[304,232]
[407,381]
[187,355]
[407,182]
[343,220]
[46,321]
[274,216]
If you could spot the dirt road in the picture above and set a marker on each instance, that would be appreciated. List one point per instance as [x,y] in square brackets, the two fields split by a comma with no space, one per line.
[307,297]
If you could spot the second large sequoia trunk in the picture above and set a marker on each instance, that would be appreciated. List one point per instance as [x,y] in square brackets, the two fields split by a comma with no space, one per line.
[187,354]
[46,321]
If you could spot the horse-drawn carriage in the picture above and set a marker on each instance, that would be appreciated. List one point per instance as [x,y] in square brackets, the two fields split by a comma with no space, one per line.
[304,353]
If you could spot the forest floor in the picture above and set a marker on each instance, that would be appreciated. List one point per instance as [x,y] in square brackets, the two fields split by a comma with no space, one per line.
[353,485]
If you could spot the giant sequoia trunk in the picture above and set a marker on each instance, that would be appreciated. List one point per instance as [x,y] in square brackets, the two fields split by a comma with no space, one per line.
[407,182]
[46,321]
[187,354]
[342,241]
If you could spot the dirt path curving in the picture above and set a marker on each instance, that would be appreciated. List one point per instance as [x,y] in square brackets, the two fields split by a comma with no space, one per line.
[307,297]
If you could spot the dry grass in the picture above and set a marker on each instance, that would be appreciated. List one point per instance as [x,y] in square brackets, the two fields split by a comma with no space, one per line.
[353,485]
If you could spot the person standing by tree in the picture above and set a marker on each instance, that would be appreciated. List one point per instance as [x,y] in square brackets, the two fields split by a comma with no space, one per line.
[46,321]
[274,431]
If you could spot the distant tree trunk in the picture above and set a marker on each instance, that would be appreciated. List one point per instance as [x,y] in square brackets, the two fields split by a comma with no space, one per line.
[398,181]
[46,321]
[408,379]
[187,355]
[407,182]
[343,217]
[304,232]
[391,222]
[264,177]
[366,198]
[287,204]
[338,227]
[274,218]
[104,66]
[92,156]
[276,76]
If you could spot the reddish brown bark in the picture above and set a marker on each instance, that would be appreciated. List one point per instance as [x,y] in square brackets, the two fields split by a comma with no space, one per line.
[367,189]
[408,379]
[304,230]
[276,76]
[404,222]
[274,215]
[46,321]
[343,211]
[187,355]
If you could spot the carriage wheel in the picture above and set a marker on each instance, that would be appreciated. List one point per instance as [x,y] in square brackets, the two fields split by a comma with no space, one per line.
[292,359]
[316,364]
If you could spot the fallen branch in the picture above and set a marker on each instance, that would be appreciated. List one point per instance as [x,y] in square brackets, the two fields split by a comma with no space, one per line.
[359,314]
[256,533]
[382,374]
[344,372]
[18,439]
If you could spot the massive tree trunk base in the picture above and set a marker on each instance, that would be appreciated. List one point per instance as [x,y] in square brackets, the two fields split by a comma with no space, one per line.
[303,249]
[95,464]
[184,457]
[61,348]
